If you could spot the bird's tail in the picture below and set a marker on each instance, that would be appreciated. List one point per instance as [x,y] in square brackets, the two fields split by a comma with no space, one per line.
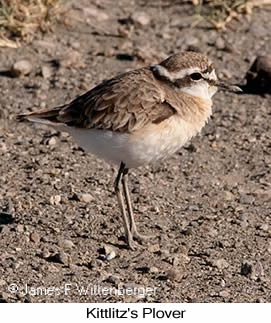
[49,117]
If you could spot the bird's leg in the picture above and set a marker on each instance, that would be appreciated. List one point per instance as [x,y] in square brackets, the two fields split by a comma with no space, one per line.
[126,222]
[133,228]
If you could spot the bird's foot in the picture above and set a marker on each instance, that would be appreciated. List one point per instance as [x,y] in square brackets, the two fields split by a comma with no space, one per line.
[140,237]
[135,235]
[131,243]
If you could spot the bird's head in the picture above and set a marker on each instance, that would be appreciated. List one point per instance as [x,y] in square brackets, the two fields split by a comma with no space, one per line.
[192,73]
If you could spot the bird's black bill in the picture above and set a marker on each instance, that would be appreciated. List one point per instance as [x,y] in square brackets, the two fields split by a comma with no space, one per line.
[228,87]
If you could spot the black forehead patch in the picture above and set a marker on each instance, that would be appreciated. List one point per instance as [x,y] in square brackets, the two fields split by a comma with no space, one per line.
[209,69]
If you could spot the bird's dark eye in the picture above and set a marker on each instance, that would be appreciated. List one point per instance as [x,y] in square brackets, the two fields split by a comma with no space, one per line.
[195,76]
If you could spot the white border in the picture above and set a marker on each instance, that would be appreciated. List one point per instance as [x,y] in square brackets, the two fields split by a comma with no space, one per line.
[76,313]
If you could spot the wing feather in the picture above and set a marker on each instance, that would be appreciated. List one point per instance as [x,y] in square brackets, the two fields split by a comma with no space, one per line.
[125,103]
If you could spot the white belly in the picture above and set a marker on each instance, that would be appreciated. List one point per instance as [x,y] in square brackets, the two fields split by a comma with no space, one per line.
[150,144]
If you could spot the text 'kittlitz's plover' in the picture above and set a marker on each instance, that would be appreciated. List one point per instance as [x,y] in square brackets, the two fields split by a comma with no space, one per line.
[139,117]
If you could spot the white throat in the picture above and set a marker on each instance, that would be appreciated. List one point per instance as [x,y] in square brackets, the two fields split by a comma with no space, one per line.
[201,89]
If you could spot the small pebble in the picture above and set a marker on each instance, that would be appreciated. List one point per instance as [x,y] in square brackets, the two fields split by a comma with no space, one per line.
[125,31]
[264,195]
[26,239]
[246,268]
[53,269]
[55,199]
[181,259]
[111,255]
[174,274]
[62,258]
[153,270]
[35,237]
[224,293]
[52,141]
[5,229]
[95,13]
[3,147]
[221,263]
[46,72]
[85,197]
[45,254]
[75,44]
[20,228]
[67,244]
[74,268]
[257,271]
[154,247]
[108,252]
[72,59]
[264,227]
[141,18]
[228,196]
[21,68]
[2,282]
[220,43]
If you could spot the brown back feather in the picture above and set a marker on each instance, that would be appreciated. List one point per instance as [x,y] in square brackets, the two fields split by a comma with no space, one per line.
[125,103]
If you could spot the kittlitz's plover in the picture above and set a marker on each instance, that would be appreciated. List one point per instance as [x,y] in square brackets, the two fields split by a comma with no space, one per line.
[139,117]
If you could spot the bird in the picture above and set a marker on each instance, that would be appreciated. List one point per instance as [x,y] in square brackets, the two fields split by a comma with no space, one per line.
[139,117]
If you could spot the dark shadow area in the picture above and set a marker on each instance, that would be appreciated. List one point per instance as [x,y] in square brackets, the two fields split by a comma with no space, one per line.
[7,73]
[5,218]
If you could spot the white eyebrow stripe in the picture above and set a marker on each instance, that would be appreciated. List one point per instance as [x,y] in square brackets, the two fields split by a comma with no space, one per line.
[162,71]
[210,76]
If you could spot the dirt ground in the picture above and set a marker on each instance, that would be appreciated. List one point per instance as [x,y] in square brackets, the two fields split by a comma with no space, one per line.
[208,205]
